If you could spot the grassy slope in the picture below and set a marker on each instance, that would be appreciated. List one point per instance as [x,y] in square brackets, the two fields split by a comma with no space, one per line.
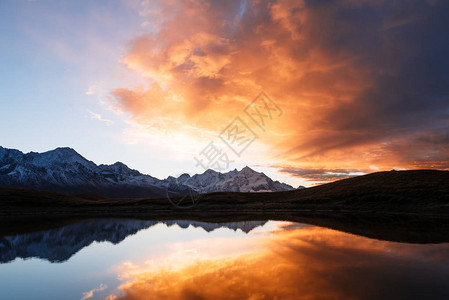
[394,190]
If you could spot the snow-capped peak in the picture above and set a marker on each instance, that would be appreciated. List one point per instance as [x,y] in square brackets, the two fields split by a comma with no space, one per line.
[245,180]
[58,156]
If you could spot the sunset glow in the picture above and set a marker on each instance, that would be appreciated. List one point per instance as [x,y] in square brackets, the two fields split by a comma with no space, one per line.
[362,85]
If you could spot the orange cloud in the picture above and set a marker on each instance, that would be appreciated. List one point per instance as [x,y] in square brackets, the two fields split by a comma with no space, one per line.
[352,80]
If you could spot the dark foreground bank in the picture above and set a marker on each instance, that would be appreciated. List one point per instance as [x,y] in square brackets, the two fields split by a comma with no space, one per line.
[410,206]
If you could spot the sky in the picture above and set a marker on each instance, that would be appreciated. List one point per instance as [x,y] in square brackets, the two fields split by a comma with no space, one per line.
[304,91]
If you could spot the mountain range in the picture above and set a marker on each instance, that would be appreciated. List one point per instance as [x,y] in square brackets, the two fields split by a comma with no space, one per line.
[63,170]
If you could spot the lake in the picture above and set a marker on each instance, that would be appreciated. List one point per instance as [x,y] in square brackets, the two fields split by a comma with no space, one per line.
[132,259]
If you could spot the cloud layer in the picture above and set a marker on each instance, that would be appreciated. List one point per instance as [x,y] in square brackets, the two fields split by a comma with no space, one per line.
[361,83]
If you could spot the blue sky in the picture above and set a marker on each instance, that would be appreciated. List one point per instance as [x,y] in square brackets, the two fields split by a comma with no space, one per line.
[52,53]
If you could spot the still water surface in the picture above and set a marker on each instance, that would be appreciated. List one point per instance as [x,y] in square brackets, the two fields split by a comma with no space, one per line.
[129,259]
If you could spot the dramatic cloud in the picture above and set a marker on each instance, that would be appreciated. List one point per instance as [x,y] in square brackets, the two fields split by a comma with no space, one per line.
[361,83]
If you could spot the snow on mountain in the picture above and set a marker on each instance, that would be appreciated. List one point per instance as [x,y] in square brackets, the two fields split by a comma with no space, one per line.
[246,180]
[64,170]
[59,157]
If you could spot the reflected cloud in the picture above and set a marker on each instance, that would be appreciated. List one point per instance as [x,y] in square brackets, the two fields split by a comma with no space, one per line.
[303,263]
[89,294]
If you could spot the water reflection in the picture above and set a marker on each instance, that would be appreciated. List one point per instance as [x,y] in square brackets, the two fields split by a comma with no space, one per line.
[304,263]
[130,259]
[58,245]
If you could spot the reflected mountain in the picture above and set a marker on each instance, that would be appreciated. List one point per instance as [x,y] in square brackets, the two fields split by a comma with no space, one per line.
[59,245]
[245,226]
